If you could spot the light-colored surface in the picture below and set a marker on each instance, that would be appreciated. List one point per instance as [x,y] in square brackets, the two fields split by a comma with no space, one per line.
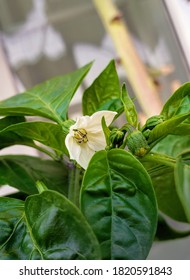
[179,11]
[6,190]
[25,36]
[171,250]
[6,79]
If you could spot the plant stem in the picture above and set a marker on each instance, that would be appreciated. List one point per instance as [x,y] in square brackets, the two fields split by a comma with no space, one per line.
[41,186]
[137,75]
[74,185]
[166,160]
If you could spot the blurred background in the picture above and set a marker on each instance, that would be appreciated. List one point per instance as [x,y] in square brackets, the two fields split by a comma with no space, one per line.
[40,39]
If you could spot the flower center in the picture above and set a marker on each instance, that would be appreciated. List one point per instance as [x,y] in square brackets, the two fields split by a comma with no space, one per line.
[80,135]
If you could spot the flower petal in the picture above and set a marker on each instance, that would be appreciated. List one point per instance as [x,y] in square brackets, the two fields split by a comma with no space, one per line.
[94,123]
[81,122]
[96,141]
[73,147]
[82,153]
[85,156]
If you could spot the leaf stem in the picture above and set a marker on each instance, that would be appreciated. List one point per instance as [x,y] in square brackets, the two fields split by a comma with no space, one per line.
[74,185]
[41,186]
[160,158]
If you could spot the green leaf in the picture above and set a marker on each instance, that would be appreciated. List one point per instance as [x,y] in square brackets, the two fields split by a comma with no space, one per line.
[49,99]
[182,129]
[178,103]
[182,179]
[172,145]
[49,134]
[118,201]
[129,107]
[18,195]
[170,126]
[106,130]
[9,138]
[104,93]
[7,121]
[48,226]
[22,172]
[162,177]
[14,242]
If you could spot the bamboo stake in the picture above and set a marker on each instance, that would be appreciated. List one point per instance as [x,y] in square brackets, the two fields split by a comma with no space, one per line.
[137,75]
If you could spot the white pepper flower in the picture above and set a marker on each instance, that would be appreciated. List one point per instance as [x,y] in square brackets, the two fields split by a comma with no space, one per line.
[86,136]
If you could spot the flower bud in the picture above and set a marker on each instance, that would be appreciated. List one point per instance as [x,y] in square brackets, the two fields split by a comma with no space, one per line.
[151,123]
[137,143]
[116,137]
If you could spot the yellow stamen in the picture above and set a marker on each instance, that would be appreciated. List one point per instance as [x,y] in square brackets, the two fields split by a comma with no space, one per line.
[80,135]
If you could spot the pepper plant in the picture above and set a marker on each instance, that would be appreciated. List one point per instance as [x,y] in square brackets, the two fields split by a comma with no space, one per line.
[98,192]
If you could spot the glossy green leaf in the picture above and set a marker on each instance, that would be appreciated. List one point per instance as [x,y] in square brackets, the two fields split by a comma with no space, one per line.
[49,134]
[118,201]
[182,179]
[15,243]
[178,103]
[18,195]
[172,145]
[129,108]
[22,172]
[10,139]
[49,99]
[106,130]
[7,121]
[182,129]
[47,226]
[162,177]
[104,93]
[167,127]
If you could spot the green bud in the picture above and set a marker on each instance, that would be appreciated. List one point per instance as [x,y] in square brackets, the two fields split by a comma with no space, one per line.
[150,124]
[137,143]
[153,121]
[116,137]
[146,133]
